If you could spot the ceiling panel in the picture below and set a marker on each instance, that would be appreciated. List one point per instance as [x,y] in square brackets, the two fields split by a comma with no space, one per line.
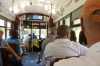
[32,8]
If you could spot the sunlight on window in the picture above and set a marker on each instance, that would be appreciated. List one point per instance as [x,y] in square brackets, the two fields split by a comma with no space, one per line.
[2,22]
[8,24]
[26,32]
[61,22]
[43,33]
[67,21]
[77,31]
[77,21]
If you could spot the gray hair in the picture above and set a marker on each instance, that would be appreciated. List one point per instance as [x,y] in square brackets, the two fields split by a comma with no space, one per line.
[62,31]
[53,31]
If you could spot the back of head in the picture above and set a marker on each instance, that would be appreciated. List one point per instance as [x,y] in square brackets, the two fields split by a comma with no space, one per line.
[91,21]
[73,36]
[62,31]
[82,38]
[53,31]
[14,34]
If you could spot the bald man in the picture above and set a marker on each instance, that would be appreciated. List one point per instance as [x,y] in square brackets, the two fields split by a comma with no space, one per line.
[91,28]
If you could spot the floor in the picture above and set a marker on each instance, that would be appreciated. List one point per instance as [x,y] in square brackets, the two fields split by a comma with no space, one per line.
[30,59]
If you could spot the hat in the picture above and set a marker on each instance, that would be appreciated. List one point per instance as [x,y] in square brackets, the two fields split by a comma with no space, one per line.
[89,7]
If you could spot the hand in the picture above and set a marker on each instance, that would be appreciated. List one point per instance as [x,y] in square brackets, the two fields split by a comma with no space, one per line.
[18,58]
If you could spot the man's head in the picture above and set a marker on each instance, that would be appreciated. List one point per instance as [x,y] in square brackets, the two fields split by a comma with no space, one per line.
[1,33]
[63,31]
[53,32]
[91,21]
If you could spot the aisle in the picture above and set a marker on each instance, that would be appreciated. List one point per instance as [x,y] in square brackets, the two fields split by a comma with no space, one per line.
[30,59]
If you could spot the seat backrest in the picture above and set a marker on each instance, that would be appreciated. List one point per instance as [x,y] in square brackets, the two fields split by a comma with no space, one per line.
[4,57]
[57,58]
[14,46]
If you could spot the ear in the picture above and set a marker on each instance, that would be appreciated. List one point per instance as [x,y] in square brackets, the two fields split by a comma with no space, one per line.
[68,35]
[82,26]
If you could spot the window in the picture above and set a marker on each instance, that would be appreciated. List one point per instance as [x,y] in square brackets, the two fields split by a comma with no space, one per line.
[2,22]
[8,28]
[26,32]
[77,31]
[43,33]
[61,22]
[67,21]
[8,25]
[76,22]
[36,32]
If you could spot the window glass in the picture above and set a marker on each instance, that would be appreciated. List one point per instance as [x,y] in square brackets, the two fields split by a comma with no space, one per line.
[77,21]
[26,32]
[36,32]
[8,24]
[61,22]
[8,29]
[2,22]
[77,31]
[67,21]
[43,33]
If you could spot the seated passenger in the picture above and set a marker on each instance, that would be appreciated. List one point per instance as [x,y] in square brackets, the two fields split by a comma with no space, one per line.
[51,38]
[14,38]
[63,46]
[73,36]
[15,60]
[91,28]
[82,38]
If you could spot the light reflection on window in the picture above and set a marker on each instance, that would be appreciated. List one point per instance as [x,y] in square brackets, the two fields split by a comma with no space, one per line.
[8,24]
[77,21]
[67,21]
[1,22]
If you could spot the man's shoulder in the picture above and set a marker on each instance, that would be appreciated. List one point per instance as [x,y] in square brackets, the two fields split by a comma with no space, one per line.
[91,60]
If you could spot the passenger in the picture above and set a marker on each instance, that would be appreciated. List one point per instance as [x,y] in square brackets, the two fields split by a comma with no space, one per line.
[14,38]
[23,46]
[15,60]
[51,38]
[63,46]
[73,36]
[33,37]
[26,38]
[82,38]
[91,28]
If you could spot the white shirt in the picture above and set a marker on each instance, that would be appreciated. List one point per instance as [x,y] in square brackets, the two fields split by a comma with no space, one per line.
[26,38]
[92,58]
[63,47]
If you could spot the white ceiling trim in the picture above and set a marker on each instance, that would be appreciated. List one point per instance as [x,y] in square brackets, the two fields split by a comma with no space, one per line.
[70,9]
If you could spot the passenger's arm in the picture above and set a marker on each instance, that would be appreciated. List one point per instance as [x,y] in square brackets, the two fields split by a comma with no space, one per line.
[13,52]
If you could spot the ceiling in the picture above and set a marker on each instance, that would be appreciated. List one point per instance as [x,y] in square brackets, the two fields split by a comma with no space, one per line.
[32,6]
